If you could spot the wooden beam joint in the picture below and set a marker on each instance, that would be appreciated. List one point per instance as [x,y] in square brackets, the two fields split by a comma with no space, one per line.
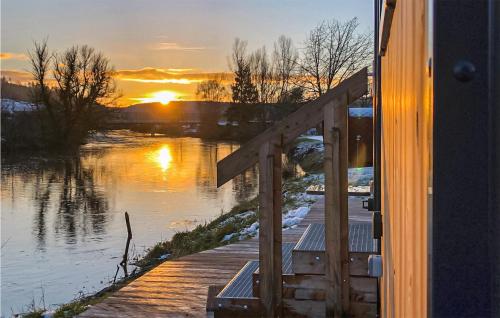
[288,129]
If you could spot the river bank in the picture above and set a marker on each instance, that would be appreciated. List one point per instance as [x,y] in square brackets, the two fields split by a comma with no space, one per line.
[240,223]
[62,224]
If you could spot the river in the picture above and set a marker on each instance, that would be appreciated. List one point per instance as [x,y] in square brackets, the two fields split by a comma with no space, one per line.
[62,219]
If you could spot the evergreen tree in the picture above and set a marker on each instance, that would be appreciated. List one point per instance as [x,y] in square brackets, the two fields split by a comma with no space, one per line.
[244,91]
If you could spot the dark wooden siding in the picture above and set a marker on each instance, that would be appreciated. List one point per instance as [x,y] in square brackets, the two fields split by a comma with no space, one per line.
[461,251]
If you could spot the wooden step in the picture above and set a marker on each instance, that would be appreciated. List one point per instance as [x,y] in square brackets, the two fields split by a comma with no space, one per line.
[308,256]
[236,298]
[286,265]
[293,308]
[312,287]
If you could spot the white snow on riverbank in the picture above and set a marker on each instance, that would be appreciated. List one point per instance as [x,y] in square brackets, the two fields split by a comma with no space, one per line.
[359,180]
[361,112]
[293,217]
[309,144]
[318,138]
[290,219]
[13,106]
[360,176]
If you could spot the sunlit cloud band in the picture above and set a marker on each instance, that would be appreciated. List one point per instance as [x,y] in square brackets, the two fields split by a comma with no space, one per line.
[173,46]
[13,56]
[169,76]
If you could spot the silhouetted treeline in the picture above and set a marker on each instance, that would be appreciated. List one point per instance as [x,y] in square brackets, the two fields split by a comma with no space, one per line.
[67,90]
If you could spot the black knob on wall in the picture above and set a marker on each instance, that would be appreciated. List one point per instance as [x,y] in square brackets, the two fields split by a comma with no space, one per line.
[464,71]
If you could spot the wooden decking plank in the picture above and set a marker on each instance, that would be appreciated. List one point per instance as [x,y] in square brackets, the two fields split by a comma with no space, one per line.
[179,288]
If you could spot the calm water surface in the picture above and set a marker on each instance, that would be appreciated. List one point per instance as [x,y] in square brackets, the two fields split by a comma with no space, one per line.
[63,229]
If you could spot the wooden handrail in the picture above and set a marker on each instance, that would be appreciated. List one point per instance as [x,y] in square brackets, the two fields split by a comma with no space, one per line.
[289,128]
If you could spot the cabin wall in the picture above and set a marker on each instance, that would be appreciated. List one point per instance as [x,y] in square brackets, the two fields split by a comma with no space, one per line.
[463,164]
[406,162]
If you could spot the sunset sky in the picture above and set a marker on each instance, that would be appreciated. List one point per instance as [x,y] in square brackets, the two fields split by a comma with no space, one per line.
[161,45]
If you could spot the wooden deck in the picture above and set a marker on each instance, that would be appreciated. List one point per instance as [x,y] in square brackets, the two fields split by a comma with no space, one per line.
[179,288]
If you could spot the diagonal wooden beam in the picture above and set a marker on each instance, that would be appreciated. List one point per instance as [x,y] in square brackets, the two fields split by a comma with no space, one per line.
[306,117]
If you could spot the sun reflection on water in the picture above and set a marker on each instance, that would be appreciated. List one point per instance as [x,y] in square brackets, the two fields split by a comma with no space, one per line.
[163,157]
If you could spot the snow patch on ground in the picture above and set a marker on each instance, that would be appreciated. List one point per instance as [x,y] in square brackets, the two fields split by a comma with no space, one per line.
[290,219]
[318,138]
[360,112]
[359,189]
[293,217]
[13,106]
[305,147]
[294,211]
[240,216]
[357,178]
[360,176]
[297,204]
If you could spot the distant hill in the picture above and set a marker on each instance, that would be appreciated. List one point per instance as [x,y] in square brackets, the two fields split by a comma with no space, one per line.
[174,104]
[14,91]
[175,111]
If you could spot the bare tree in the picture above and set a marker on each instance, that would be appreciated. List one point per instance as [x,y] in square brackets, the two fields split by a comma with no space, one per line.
[285,57]
[263,75]
[272,77]
[239,58]
[82,80]
[311,64]
[332,52]
[212,90]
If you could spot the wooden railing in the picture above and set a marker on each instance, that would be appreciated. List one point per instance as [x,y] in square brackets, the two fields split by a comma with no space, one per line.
[266,149]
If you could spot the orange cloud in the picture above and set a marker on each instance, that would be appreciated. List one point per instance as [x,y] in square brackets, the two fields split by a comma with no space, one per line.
[164,81]
[13,56]
[134,85]
[179,70]
[168,76]
[173,46]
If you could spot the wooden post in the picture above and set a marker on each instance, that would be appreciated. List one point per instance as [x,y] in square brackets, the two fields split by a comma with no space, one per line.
[290,127]
[340,118]
[336,213]
[333,264]
[270,228]
[278,226]
[125,254]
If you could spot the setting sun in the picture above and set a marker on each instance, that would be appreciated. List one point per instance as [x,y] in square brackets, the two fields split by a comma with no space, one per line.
[163,97]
